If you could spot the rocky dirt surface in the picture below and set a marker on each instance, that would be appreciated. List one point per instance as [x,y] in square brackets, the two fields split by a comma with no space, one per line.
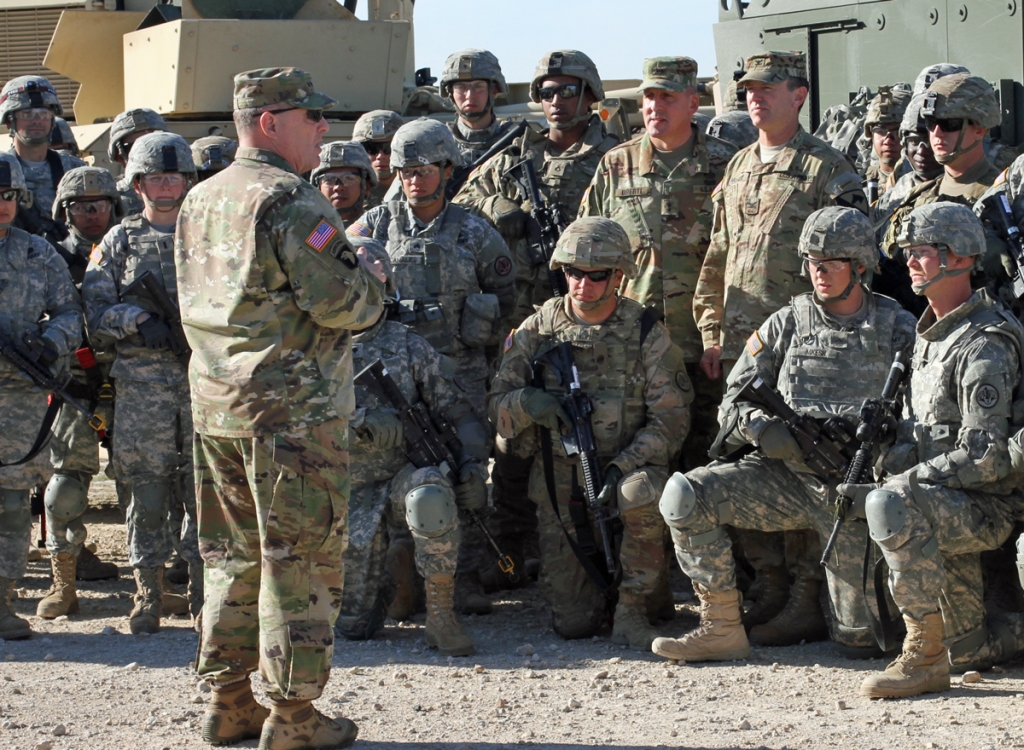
[83,682]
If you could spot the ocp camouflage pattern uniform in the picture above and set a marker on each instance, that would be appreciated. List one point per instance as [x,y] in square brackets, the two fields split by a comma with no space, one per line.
[468,65]
[667,213]
[887,107]
[269,275]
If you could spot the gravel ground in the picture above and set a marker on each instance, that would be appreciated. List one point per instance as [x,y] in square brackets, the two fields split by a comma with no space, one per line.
[83,682]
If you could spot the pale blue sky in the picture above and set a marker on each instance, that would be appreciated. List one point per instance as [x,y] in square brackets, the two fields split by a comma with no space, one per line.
[616,35]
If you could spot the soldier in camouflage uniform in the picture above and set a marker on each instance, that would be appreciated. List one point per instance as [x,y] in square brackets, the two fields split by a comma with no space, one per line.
[636,379]
[28,106]
[88,204]
[950,493]
[153,410]
[751,268]
[658,187]
[470,83]
[127,128]
[62,138]
[345,176]
[804,351]
[374,130]
[455,278]
[565,156]
[882,127]
[391,496]
[734,125]
[39,314]
[211,154]
[269,288]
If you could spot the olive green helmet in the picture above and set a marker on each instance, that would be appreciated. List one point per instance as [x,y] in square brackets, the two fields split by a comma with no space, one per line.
[963,95]
[888,106]
[126,123]
[28,92]
[567,62]
[949,227]
[594,242]
[85,182]
[12,178]
[155,153]
[424,141]
[378,125]
[344,154]
[471,65]
[213,153]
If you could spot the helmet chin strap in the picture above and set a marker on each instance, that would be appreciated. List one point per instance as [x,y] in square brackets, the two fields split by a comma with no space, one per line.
[474,116]
[434,195]
[582,113]
[610,291]
[944,272]
[958,150]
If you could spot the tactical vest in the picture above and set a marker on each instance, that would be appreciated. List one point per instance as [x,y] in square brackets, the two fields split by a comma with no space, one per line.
[562,176]
[829,371]
[607,357]
[388,342]
[434,275]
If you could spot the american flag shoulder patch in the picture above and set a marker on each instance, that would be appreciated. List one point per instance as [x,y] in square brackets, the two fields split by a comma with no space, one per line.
[754,344]
[320,236]
[358,230]
[96,256]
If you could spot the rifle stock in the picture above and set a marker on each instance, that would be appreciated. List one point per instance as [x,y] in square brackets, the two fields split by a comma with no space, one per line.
[550,223]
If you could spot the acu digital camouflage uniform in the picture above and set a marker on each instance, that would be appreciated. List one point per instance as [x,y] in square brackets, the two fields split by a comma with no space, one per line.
[268,287]
[806,354]
[641,397]
[153,412]
[37,297]
[667,213]
[377,126]
[478,65]
[349,154]
[131,121]
[951,493]
[211,154]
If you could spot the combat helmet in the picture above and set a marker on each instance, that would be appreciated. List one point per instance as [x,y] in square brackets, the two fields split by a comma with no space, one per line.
[887,107]
[378,125]
[61,137]
[156,153]
[931,73]
[212,153]
[13,178]
[594,242]
[28,92]
[913,120]
[473,65]
[962,96]
[344,154]
[85,182]
[425,141]
[839,233]
[949,227]
[126,123]
[568,62]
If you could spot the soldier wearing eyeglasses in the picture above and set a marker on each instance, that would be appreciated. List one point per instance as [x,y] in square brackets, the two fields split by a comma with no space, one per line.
[345,176]
[882,126]
[471,81]
[28,106]
[374,130]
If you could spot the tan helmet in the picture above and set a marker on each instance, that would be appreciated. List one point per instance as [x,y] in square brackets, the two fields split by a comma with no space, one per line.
[378,125]
[949,227]
[567,62]
[888,106]
[594,242]
[963,95]
[85,182]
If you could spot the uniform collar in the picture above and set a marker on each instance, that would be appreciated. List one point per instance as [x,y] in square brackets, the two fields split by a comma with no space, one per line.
[931,329]
[698,160]
[248,153]
[785,158]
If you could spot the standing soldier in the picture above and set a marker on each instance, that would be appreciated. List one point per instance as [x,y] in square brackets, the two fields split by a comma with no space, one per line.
[374,130]
[211,154]
[565,156]
[88,204]
[345,176]
[455,279]
[269,289]
[636,380]
[471,81]
[752,267]
[951,493]
[882,127]
[127,128]
[804,351]
[153,410]
[41,317]
[658,187]
[392,497]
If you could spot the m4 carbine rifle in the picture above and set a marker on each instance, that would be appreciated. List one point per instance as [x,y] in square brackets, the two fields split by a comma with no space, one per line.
[997,209]
[148,288]
[462,173]
[549,220]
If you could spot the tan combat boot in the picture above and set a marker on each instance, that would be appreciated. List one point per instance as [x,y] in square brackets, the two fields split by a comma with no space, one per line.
[772,588]
[800,620]
[61,599]
[923,667]
[443,629]
[632,628]
[296,725]
[400,564]
[233,715]
[171,602]
[12,627]
[720,636]
[91,568]
[145,616]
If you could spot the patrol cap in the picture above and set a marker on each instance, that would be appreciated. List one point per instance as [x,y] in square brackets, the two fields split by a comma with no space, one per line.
[377,125]
[963,95]
[932,73]
[839,232]
[337,154]
[266,86]
[594,242]
[669,73]
[944,223]
[774,67]
[85,182]
[212,153]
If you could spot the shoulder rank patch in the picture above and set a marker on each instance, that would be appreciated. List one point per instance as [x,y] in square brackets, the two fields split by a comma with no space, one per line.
[510,339]
[358,230]
[320,236]
[987,396]
[96,256]
[754,344]
[1001,178]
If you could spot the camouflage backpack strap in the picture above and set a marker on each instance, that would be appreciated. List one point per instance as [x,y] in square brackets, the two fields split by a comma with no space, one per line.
[56,167]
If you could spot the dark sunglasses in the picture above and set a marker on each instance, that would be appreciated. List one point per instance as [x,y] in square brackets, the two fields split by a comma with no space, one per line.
[568,91]
[377,148]
[313,115]
[9,195]
[595,276]
[953,125]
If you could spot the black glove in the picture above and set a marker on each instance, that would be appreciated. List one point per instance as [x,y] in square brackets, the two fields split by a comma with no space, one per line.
[40,350]
[471,491]
[155,333]
[610,489]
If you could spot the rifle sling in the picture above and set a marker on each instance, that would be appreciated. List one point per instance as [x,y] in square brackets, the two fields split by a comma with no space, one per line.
[881,625]
[43,438]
